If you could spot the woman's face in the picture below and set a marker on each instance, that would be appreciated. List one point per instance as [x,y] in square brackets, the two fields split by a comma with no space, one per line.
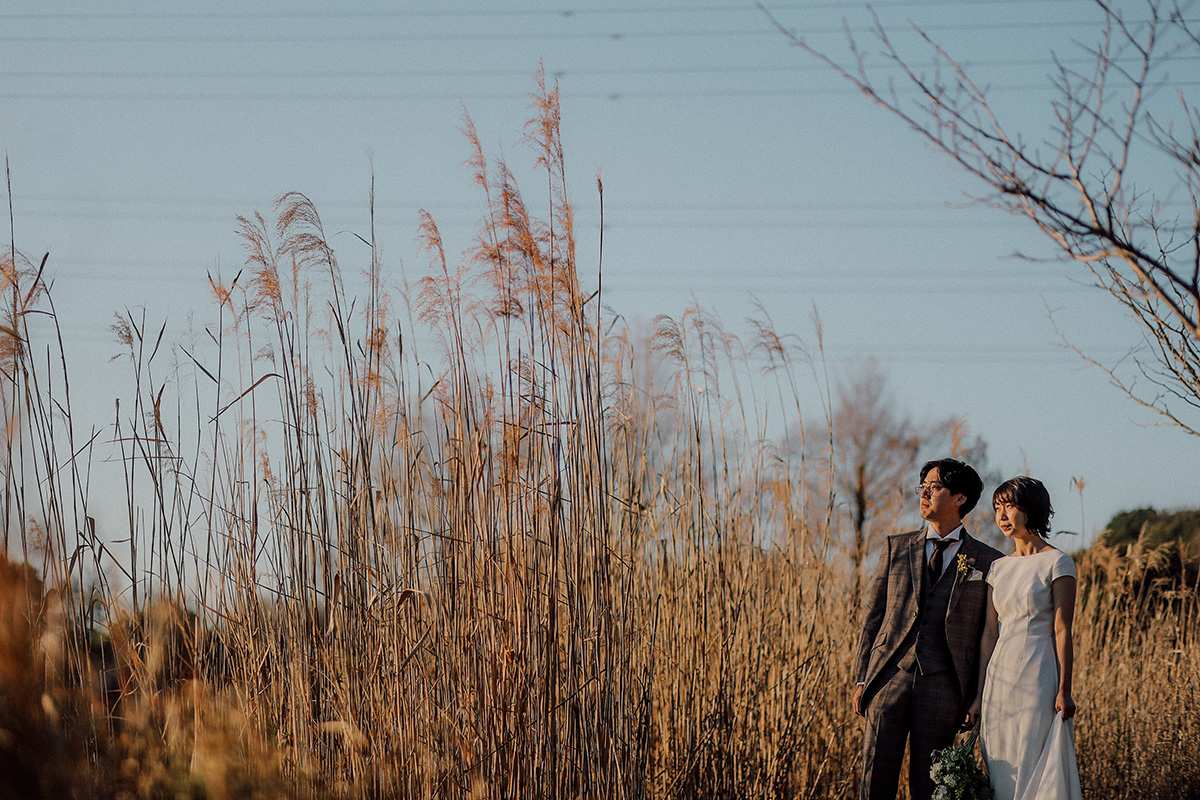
[1010,519]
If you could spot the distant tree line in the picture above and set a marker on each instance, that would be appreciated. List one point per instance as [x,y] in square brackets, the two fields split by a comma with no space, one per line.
[1153,529]
[1147,555]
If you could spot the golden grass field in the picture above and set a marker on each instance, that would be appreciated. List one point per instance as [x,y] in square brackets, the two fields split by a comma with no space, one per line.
[549,560]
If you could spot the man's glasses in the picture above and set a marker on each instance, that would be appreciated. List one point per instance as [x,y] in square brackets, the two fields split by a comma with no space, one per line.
[926,489]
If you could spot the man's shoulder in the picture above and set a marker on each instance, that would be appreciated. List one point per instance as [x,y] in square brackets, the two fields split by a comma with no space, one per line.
[906,535]
[898,541]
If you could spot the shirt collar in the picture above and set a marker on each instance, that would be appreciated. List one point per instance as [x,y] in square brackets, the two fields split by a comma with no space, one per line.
[952,536]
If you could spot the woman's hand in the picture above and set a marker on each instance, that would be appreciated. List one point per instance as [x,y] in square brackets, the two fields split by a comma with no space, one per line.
[973,712]
[1064,705]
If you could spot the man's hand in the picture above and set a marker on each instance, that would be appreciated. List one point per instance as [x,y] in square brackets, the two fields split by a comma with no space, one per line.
[973,712]
[858,695]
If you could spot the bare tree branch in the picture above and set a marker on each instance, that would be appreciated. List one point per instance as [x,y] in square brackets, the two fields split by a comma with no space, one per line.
[1083,191]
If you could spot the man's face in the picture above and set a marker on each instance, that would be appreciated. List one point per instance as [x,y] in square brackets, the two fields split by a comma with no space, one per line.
[939,504]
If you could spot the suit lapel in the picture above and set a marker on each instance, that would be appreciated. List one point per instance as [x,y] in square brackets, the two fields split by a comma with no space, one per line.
[916,560]
[968,549]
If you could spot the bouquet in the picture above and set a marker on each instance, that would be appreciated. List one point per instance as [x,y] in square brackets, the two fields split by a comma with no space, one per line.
[956,773]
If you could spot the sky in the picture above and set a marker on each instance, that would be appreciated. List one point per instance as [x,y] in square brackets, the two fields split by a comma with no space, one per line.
[737,171]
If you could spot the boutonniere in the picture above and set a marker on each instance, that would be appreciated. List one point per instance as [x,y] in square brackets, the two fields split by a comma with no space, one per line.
[965,565]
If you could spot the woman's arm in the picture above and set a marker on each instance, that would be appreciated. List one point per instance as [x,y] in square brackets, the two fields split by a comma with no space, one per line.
[987,644]
[1062,592]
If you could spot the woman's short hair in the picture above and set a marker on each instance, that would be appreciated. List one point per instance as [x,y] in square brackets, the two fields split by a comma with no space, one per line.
[1029,495]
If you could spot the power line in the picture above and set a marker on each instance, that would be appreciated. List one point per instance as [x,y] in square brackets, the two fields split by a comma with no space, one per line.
[329,210]
[383,208]
[744,285]
[78,334]
[292,74]
[614,224]
[158,200]
[611,224]
[508,12]
[847,281]
[444,96]
[615,36]
[1028,270]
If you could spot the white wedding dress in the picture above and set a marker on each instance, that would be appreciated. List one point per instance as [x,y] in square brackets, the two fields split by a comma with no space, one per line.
[1030,749]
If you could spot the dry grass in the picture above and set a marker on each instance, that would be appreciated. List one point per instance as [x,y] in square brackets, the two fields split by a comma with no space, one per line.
[1138,655]
[549,562]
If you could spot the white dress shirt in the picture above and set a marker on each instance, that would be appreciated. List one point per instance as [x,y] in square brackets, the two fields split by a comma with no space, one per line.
[955,536]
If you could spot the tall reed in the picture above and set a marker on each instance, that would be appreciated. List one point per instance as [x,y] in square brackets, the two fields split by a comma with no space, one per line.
[1138,657]
[553,559]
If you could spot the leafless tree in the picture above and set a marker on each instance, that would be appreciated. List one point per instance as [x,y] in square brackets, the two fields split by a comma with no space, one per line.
[1085,187]
[875,452]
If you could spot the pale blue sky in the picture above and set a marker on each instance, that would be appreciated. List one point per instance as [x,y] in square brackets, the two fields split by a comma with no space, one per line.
[734,167]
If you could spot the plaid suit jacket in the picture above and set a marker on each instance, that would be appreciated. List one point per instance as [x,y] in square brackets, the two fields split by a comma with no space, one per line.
[893,598]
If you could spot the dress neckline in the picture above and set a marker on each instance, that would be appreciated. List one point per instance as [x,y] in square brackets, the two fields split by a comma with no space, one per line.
[1049,549]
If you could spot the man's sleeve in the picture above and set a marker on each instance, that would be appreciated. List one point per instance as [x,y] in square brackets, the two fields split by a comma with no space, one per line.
[874,605]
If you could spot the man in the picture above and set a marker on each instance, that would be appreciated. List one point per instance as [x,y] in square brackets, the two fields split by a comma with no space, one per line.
[917,657]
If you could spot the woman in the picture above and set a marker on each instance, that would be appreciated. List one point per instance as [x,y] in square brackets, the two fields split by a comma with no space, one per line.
[1026,655]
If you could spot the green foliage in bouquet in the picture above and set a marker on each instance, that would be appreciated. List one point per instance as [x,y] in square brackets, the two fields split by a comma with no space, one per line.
[956,773]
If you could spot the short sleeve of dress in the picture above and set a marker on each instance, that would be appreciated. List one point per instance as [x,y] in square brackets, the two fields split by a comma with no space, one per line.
[1063,567]
[993,571]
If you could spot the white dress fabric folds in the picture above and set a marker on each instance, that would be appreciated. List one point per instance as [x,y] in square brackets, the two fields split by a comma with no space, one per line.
[1030,749]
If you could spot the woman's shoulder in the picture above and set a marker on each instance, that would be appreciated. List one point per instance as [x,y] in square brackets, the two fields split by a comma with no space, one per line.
[1061,564]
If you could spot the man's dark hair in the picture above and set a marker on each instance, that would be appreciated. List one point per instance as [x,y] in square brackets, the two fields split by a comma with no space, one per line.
[959,478]
[1029,495]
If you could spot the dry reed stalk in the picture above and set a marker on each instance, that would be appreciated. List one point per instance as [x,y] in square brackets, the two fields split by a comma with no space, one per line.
[1138,657]
[552,562]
